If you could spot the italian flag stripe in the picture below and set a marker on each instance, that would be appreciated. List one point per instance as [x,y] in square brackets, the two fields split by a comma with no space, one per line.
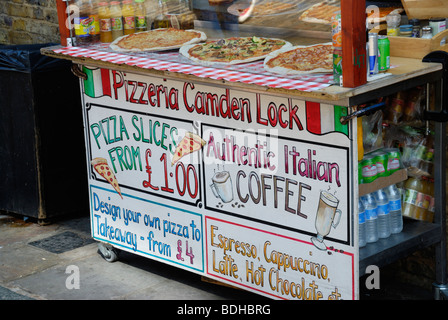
[324,118]
[97,83]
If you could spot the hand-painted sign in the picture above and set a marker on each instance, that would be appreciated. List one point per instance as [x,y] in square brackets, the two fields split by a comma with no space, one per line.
[248,188]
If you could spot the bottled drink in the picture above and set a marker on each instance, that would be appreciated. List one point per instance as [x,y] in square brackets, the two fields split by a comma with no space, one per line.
[396,106]
[412,106]
[161,20]
[429,215]
[382,203]
[423,199]
[115,19]
[95,26]
[82,24]
[412,187]
[362,224]
[140,16]
[105,23]
[396,218]
[371,218]
[128,17]
[425,164]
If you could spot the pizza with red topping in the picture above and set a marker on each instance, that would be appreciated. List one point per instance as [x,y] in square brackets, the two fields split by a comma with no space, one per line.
[301,60]
[157,40]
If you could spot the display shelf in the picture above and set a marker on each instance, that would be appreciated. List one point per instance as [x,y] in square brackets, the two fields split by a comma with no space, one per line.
[383,182]
[415,235]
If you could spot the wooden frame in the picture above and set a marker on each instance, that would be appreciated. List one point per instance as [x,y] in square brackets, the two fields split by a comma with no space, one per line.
[353,13]
[64,32]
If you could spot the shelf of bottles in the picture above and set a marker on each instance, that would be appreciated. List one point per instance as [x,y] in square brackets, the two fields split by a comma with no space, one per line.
[103,21]
[396,191]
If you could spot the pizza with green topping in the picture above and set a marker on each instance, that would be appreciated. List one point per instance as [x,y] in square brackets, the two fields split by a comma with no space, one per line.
[233,50]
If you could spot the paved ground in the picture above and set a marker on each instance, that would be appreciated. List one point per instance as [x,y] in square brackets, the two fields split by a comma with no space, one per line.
[39,263]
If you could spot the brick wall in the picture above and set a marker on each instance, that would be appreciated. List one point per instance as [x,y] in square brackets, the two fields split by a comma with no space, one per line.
[28,22]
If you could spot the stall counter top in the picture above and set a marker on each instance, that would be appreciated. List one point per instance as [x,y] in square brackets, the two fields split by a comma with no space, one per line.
[403,69]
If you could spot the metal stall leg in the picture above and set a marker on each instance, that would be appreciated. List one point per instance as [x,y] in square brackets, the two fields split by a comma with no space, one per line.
[440,117]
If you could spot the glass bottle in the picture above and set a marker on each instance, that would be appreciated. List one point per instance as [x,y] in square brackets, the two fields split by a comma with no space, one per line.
[427,32]
[105,23]
[116,19]
[429,214]
[416,28]
[95,26]
[393,21]
[161,20]
[140,16]
[423,199]
[412,187]
[128,17]
[82,24]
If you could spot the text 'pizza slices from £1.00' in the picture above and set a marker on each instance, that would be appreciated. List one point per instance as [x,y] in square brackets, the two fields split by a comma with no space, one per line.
[102,167]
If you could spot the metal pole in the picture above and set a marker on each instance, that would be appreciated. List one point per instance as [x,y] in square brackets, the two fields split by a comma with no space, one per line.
[441,284]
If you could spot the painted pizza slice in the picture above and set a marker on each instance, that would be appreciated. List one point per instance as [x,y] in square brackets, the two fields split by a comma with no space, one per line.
[102,167]
[191,142]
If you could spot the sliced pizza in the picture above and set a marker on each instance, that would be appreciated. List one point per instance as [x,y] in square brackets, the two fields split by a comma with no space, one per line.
[232,50]
[102,167]
[301,60]
[191,142]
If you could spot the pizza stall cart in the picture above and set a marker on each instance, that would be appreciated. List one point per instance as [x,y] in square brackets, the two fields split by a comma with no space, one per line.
[246,177]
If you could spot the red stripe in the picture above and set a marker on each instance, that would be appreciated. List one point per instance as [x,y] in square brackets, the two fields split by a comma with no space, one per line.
[313,117]
[105,80]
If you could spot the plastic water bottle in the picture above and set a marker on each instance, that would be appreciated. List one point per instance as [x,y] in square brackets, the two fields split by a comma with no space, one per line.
[396,218]
[371,218]
[362,224]
[382,203]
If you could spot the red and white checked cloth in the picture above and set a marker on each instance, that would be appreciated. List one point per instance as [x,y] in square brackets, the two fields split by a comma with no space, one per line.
[252,73]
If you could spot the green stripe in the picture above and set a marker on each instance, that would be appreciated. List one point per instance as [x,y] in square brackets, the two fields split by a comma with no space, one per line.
[89,87]
[338,113]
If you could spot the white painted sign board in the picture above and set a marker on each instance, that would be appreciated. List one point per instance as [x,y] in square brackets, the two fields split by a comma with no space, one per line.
[265,203]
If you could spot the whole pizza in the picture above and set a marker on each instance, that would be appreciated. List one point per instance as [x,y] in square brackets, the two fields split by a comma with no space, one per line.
[301,60]
[321,12]
[157,40]
[379,14]
[233,50]
[261,9]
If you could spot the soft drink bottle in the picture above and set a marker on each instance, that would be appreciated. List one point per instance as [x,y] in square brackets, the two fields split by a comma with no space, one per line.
[95,26]
[423,199]
[382,203]
[412,188]
[116,19]
[396,218]
[371,218]
[140,16]
[83,24]
[128,12]
[429,216]
[362,224]
[105,23]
